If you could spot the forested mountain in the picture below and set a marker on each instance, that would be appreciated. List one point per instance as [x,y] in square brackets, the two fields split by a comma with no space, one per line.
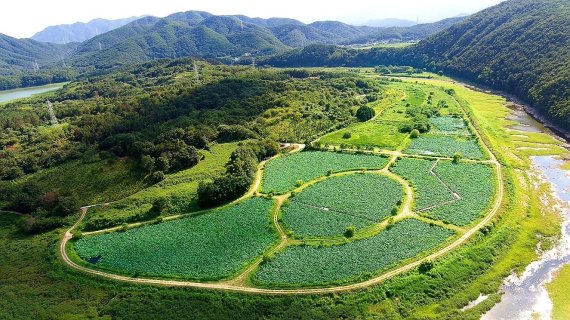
[519,46]
[195,34]
[79,31]
[26,54]
[411,33]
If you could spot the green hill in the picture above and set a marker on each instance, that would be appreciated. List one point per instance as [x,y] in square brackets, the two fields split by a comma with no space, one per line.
[520,47]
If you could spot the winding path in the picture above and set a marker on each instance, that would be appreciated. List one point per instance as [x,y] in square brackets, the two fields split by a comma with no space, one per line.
[237,285]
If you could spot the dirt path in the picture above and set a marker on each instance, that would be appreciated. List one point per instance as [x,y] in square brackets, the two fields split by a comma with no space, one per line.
[236,285]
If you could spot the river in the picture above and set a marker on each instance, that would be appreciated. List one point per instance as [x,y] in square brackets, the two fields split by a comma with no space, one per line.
[9,95]
[525,296]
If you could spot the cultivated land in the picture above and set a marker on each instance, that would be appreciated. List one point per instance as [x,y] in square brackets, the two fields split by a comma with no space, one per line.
[319,196]
[507,241]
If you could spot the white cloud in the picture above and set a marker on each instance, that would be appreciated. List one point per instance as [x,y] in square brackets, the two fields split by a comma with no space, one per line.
[22,18]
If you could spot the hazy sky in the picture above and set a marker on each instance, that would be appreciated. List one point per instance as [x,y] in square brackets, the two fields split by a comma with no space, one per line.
[23,18]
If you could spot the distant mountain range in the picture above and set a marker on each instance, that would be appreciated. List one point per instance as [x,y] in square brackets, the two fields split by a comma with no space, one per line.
[519,46]
[189,34]
[389,22]
[79,31]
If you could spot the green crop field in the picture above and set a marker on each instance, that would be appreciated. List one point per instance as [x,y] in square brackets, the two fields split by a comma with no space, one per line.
[474,182]
[308,221]
[429,191]
[356,199]
[449,125]
[207,247]
[282,174]
[445,146]
[369,196]
[311,265]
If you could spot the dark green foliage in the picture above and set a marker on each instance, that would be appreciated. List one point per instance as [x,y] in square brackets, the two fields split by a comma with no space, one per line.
[415,133]
[240,173]
[365,113]
[349,232]
[517,46]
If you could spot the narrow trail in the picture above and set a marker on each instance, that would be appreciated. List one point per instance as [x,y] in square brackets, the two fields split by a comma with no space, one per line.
[237,285]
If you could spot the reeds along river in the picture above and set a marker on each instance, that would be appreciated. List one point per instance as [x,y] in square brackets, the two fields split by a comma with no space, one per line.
[525,296]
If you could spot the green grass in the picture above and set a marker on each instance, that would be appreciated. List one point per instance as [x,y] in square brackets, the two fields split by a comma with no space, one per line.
[474,182]
[309,265]
[429,191]
[328,207]
[560,294]
[210,246]
[180,188]
[384,135]
[283,173]
[93,182]
[445,146]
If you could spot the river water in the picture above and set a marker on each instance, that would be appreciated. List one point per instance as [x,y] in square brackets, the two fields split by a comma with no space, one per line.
[9,95]
[525,296]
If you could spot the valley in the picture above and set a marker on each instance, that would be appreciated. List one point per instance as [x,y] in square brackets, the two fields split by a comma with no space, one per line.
[230,166]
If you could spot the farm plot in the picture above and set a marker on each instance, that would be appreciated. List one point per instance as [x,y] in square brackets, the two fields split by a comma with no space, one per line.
[445,146]
[282,174]
[430,191]
[207,247]
[356,199]
[311,265]
[309,221]
[449,125]
[474,182]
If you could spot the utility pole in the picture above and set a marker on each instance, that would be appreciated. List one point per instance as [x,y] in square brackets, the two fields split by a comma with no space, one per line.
[53,119]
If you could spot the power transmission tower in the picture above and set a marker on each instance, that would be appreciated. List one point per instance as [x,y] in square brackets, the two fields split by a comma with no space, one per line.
[253,62]
[100,46]
[53,119]
[196,73]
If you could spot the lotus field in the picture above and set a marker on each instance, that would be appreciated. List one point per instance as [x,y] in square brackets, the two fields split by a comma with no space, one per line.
[449,125]
[210,246]
[447,146]
[309,221]
[474,182]
[312,265]
[282,174]
[329,206]
[429,191]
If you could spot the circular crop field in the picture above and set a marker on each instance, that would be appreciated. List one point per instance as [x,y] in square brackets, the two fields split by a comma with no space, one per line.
[332,206]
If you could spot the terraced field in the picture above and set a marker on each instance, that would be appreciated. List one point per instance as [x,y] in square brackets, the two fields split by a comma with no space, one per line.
[361,199]
[284,173]
[311,265]
[207,247]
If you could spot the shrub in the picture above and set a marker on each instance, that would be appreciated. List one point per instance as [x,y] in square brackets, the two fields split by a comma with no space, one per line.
[349,232]
[365,113]
[347,135]
[158,176]
[457,157]
[415,134]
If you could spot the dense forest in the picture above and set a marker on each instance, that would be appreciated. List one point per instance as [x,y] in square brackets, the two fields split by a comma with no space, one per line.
[520,47]
[159,116]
